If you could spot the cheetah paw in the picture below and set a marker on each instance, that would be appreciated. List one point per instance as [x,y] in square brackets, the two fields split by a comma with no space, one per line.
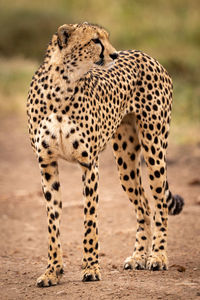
[91,274]
[136,262]
[157,262]
[49,279]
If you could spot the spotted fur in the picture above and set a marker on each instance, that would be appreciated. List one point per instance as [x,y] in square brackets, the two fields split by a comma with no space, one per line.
[83,95]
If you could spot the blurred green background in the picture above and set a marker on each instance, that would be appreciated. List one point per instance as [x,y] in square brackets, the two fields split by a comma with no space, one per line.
[167,30]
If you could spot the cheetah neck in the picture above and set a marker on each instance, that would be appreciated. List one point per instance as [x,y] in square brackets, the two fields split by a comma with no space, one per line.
[67,68]
[75,73]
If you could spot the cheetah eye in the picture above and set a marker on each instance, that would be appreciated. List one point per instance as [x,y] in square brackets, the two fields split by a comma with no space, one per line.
[96,41]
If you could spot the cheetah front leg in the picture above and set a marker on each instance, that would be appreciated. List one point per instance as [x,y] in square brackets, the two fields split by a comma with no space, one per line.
[90,243]
[51,189]
[126,148]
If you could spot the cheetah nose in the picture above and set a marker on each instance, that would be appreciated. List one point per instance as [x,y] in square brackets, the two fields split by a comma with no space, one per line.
[114,55]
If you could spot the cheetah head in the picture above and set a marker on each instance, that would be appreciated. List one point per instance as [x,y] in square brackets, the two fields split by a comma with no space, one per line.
[85,44]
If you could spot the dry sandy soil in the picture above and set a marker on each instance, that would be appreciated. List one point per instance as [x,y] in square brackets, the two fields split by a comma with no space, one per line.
[23,230]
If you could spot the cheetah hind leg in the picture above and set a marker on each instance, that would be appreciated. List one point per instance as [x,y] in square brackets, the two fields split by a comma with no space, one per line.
[156,169]
[127,149]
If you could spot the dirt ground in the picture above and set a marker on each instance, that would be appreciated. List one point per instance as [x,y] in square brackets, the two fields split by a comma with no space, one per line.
[23,229]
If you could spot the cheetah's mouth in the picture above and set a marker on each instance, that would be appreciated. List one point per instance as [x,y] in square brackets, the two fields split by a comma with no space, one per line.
[100,62]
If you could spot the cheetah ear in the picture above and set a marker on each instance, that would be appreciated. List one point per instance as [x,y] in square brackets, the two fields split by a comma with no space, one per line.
[64,32]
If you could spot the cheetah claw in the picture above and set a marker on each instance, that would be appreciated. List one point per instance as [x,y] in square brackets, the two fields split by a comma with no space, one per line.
[135,262]
[157,262]
[91,275]
[45,282]
[49,279]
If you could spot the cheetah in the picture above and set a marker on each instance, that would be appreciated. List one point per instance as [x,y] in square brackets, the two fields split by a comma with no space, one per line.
[83,95]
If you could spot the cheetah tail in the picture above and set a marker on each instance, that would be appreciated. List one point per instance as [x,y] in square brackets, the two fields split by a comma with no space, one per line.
[174,202]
